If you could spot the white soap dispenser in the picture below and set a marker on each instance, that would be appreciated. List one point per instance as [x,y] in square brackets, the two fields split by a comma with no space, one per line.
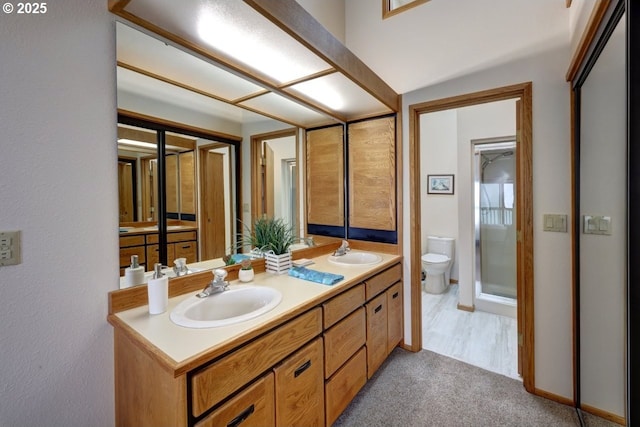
[134,275]
[158,290]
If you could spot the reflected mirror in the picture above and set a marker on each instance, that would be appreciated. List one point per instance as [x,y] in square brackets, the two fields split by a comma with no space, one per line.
[199,137]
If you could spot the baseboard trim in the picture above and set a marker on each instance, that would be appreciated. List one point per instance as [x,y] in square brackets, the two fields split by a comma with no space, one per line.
[604,414]
[555,397]
[468,308]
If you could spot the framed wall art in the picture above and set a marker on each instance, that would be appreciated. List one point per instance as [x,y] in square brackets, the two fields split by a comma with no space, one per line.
[440,184]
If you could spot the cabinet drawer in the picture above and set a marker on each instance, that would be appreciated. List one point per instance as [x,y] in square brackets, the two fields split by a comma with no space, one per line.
[253,407]
[300,388]
[125,255]
[182,236]
[338,307]
[343,340]
[152,238]
[186,250]
[376,333]
[394,314]
[383,280]
[131,241]
[344,385]
[227,375]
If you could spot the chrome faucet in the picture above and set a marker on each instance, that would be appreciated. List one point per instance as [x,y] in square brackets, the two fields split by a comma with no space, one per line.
[217,285]
[180,267]
[308,241]
[343,249]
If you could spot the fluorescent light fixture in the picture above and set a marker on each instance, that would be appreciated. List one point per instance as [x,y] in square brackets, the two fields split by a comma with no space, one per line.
[239,32]
[322,92]
[137,143]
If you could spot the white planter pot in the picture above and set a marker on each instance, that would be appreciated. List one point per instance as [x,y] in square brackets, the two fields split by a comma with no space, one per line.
[277,263]
[245,275]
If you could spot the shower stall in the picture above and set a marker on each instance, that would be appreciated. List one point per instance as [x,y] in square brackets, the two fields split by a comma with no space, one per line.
[495,224]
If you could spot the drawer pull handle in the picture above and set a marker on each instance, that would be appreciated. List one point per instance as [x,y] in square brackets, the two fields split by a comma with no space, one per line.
[302,368]
[186,247]
[240,418]
[378,308]
[395,295]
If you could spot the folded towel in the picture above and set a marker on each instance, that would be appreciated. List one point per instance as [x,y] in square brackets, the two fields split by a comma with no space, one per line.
[315,276]
[239,257]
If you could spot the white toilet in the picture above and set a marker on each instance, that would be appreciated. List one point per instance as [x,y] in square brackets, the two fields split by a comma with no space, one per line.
[437,263]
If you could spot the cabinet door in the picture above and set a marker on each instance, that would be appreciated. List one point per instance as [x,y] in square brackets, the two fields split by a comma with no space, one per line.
[344,385]
[394,316]
[253,407]
[343,340]
[376,333]
[300,388]
[186,250]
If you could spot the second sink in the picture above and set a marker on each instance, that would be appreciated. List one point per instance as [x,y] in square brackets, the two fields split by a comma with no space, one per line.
[226,308]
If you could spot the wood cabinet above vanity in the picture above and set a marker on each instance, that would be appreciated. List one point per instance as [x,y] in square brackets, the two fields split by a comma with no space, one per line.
[300,364]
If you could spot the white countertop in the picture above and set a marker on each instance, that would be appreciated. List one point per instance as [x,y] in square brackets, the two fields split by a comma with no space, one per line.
[181,344]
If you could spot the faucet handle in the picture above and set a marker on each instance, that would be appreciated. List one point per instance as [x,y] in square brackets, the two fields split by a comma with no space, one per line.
[219,274]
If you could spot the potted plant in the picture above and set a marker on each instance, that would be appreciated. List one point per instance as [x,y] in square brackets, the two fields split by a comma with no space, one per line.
[272,237]
[245,274]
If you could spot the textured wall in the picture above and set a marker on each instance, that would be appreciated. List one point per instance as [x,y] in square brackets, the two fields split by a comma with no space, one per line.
[58,186]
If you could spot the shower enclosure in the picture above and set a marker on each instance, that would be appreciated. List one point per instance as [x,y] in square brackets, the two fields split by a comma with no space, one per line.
[495,225]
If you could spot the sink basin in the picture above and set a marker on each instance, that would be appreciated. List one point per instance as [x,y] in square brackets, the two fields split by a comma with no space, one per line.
[356,258]
[225,308]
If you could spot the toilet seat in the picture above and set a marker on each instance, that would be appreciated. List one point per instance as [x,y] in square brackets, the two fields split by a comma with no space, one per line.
[435,258]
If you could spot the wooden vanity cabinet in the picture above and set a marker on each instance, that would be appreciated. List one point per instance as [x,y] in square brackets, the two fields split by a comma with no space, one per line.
[299,388]
[304,372]
[253,407]
[384,315]
[181,244]
[376,333]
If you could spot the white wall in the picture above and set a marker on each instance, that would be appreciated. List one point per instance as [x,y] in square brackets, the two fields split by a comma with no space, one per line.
[330,13]
[438,156]
[59,187]
[603,258]
[283,148]
[482,121]
[551,184]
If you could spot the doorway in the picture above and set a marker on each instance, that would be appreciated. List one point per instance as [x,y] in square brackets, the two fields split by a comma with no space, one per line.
[494,195]
[274,176]
[524,215]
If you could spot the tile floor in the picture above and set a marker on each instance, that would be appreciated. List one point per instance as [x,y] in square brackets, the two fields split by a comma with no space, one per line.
[481,339]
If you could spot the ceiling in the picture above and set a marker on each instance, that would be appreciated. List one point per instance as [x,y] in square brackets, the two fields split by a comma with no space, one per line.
[442,40]
[169,52]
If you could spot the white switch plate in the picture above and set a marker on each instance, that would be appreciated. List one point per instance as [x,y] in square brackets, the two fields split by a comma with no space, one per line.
[555,222]
[596,224]
[9,248]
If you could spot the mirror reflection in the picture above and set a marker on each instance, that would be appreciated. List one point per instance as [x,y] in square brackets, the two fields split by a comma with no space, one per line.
[195,224]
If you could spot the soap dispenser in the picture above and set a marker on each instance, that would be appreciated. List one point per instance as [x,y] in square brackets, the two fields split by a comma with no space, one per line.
[134,275]
[158,290]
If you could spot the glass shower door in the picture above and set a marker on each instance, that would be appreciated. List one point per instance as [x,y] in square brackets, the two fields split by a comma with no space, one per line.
[495,227]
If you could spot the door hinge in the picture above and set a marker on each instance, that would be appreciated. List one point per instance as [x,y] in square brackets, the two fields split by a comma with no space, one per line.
[520,340]
[519,236]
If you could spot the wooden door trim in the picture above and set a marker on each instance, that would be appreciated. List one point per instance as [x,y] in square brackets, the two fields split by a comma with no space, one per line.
[256,181]
[523,91]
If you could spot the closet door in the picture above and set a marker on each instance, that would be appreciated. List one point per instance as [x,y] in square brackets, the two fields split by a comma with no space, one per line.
[372,179]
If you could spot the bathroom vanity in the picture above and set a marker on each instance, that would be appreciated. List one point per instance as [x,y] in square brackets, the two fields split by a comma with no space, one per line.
[299,364]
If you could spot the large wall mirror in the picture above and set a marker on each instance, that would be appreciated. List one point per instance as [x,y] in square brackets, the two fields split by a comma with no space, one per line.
[601,223]
[188,208]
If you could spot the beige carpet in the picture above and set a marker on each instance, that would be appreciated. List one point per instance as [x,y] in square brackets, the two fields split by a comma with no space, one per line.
[427,389]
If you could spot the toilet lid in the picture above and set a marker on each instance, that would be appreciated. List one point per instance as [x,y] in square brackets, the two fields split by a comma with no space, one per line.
[434,258]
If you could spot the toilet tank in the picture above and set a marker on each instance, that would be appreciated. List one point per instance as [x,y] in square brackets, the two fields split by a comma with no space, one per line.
[440,245]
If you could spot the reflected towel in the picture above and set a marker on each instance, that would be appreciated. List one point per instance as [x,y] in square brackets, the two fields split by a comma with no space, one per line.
[315,276]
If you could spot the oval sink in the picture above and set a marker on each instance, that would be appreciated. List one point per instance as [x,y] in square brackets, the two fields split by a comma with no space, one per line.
[225,308]
[356,258]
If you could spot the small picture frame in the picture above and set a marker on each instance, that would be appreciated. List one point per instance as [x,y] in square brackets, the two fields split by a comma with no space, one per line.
[440,184]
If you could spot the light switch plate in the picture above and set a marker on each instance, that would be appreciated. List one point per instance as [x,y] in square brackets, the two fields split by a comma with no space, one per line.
[596,224]
[555,222]
[9,248]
